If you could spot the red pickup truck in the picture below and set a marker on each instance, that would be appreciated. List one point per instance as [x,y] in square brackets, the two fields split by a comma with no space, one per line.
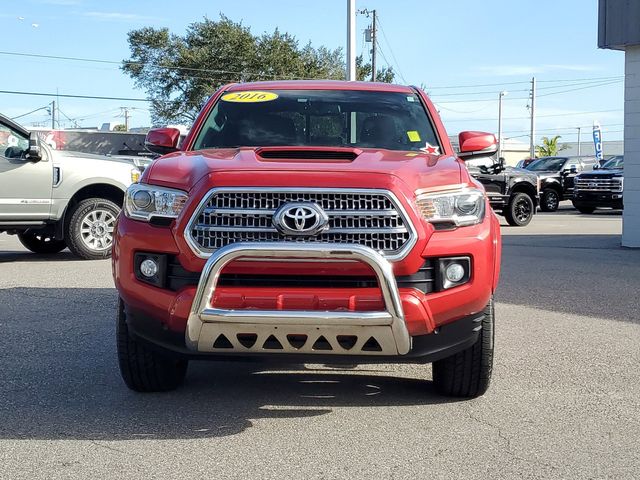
[309,221]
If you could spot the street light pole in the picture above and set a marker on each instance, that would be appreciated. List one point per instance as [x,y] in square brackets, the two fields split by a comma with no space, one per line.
[579,128]
[351,40]
[532,144]
[502,94]
[374,35]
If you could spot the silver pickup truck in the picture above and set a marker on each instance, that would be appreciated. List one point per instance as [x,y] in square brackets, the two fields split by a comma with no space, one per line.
[55,199]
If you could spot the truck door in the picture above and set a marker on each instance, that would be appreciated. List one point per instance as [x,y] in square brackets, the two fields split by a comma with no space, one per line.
[493,179]
[25,186]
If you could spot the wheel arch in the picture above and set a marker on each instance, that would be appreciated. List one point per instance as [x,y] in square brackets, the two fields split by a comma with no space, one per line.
[525,187]
[93,190]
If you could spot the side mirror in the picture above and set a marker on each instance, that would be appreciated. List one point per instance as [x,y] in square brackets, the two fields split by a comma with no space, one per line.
[34,153]
[596,167]
[476,144]
[162,140]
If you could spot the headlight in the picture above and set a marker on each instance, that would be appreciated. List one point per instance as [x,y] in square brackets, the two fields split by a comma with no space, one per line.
[460,208]
[142,202]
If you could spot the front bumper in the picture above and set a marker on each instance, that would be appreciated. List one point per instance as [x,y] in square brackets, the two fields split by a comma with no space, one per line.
[211,329]
[598,199]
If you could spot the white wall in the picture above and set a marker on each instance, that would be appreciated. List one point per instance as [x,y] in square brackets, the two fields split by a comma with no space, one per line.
[631,216]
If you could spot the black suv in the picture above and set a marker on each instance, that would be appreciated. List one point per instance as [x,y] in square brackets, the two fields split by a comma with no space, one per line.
[557,175]
[600,188]
[512,192]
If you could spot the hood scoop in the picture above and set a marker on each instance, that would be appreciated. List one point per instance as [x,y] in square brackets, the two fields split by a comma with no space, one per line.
[309,153]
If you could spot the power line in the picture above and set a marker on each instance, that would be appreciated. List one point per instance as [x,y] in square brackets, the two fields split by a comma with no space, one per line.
[89,97]
[582,88]
[29,113]
[538,116]
[522,83]
[384,35]
[122,63]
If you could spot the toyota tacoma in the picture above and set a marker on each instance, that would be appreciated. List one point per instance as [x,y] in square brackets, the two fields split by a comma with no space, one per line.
[309,221]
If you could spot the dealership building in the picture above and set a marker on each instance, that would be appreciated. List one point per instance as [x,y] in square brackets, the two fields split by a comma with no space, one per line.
[619,29]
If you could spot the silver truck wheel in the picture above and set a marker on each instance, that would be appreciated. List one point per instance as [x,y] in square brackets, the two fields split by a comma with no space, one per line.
[96,229]
[91,228]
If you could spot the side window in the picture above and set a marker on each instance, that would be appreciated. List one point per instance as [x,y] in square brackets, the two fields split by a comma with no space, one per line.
[12,143]
[572,164]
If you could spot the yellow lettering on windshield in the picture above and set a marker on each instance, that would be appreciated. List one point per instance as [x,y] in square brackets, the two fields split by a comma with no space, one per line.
[249,97]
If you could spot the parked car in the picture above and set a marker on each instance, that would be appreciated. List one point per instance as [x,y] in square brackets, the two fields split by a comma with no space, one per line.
[512,192]
[55,199]
[601,188]
[309,221]
[557,176]
[525,162]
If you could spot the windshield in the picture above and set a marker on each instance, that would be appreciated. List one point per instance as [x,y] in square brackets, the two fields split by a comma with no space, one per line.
[547,165]
[333,118]
[613,163]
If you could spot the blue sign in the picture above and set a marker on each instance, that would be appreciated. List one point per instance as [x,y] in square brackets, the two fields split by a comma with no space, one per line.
[597,140]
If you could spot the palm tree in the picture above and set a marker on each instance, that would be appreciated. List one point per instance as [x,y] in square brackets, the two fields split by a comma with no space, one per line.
[549,147]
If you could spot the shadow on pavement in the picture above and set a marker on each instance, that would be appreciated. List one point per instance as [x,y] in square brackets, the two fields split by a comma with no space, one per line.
[60,380]
[590,275]
[26,256]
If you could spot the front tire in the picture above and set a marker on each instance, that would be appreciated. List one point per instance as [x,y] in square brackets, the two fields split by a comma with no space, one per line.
[468,373]
[519,212]
[90,228]
[549,200]
[38,242]
[584,209]
[144,369]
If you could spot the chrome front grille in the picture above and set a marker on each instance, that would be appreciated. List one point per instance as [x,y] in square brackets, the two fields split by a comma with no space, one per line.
[598,184]
[372,218]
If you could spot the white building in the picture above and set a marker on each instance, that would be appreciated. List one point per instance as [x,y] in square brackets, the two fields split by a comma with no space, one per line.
[619,29]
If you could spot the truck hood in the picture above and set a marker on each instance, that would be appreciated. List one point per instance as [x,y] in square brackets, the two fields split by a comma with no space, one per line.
[67,154]
[545,174]
[183,170]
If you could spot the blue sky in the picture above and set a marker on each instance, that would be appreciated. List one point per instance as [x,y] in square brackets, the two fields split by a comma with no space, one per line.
[480,48]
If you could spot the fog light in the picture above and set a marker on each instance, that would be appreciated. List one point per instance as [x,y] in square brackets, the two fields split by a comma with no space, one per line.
[148,268]
[454,272]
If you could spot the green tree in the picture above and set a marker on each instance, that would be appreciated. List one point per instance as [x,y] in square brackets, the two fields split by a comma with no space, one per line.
[363,72]
[550,147]
[121,127]
[179,73]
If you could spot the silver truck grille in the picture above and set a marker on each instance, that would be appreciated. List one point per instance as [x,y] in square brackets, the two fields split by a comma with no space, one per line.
[598,184]
[372,218]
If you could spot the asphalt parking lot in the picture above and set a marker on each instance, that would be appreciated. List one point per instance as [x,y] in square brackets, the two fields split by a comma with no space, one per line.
[564,402]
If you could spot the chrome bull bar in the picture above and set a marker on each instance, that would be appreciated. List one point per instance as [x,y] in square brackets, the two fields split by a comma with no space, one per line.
[297,331]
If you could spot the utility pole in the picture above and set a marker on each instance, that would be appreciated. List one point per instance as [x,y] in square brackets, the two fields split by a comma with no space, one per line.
[579,128]
[125,112]
[532,145]
[370,36]
[351,40]
[53,115]
[502,94]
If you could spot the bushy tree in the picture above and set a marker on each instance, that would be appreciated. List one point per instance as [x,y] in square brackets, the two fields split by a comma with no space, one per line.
[179,73]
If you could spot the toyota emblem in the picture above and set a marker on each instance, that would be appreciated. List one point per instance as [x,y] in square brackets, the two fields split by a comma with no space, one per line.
[300,218]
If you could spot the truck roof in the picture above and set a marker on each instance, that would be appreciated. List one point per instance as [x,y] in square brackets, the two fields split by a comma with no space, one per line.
[319,85]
